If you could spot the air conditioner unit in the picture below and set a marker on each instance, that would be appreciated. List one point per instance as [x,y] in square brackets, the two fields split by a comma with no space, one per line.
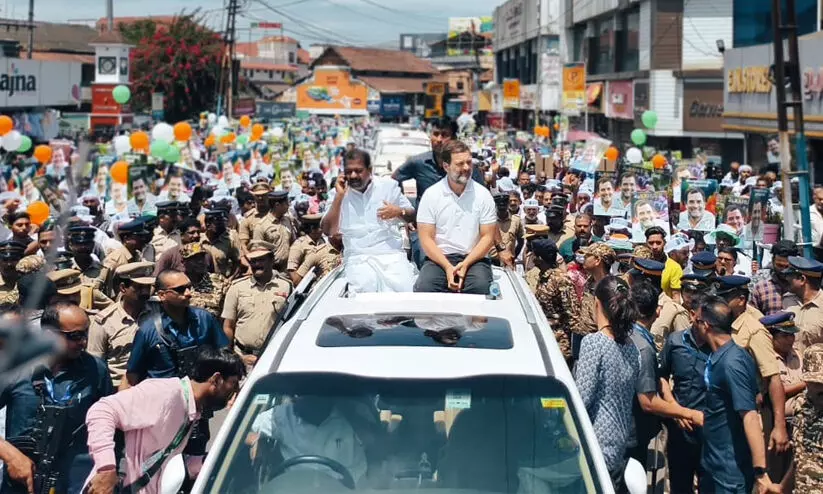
[618,99]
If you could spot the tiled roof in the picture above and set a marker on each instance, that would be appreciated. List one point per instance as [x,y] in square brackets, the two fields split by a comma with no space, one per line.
[398,85]
[266,66]
[47,56]
[373,59]
[103,23]
[108,37]
[303,56]
[50,36]
[247,49]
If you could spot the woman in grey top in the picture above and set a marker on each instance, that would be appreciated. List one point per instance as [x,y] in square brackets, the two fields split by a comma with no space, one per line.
[606,373]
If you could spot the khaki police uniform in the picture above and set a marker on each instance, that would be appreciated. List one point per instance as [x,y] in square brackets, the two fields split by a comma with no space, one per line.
[299,250]
[748,333]
[807,435]
[163,241]
[324,256]
[90,275]
[672,317]
[114,260]
[224,251]
[88,297]
[252,218]
[278,232]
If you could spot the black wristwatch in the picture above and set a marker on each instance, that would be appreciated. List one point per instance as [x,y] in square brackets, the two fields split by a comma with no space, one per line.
[759,472]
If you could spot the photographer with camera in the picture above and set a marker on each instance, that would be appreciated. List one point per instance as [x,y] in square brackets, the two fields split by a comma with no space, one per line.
[45,448]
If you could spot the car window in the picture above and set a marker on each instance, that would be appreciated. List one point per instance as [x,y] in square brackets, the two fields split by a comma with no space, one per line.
[318,432]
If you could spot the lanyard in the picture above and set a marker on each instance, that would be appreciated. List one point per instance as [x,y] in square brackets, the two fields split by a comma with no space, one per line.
[707,374]
[50,388]
[646,335]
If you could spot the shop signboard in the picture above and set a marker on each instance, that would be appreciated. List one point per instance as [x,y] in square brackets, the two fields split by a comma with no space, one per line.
[620,100]
[496,100]
[243,106]
[332,90]
[392,105]
[32,83]
[574,88]
[511,93]
[460,42]
[703,106]
[517,21]
[157,106]
[274,110]
[454,108]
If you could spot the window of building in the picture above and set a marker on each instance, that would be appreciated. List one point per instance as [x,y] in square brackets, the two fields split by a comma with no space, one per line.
[753,20]
[579,43]
[459,85]
[291,57]
[271,74]
[628,41]
[603,61]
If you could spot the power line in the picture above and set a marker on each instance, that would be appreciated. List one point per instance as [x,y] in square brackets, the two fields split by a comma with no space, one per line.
[360,13]
[401,12]
[316,36]
[307,25]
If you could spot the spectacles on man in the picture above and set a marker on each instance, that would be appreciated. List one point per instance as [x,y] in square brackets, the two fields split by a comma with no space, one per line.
[182,289]
[76,336]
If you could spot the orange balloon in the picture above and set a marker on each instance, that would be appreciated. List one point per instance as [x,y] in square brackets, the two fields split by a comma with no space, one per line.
[43,154]
[139,141]
[556,126]
[120,172]
[659,161]
[612,153]
[182,131]
[209,142]
[245,121]
[257,130]
[39,212]
[228,138]
[6,125]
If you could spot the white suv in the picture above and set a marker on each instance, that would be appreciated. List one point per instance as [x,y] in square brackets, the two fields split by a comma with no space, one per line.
[398,392]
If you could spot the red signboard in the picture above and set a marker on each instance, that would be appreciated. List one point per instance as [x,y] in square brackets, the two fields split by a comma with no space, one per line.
[267,25]
[244,106]
[102,101]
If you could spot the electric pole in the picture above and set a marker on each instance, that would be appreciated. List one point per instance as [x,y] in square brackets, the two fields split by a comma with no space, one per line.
[540,50]
[796,104]
[227,83]
[31,28]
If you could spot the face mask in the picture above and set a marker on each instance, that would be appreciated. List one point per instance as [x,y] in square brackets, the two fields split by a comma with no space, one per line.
[579,259]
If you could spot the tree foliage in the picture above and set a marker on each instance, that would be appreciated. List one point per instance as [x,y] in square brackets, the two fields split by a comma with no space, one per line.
[181,60]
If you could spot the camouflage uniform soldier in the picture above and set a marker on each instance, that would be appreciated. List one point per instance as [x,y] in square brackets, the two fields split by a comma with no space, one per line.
[30,264]
[10,254]
[808,425]
[326,257]
[556,295]
[533,232]
[208,290]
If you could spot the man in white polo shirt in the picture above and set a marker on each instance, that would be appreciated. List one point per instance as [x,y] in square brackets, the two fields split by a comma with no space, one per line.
[456,221]
[369,211]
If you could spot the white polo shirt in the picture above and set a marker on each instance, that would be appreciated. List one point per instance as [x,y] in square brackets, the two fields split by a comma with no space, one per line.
[456,218]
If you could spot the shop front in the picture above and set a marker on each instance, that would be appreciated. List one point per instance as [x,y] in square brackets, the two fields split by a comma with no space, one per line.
[703,116]
[750,105]
[619,109]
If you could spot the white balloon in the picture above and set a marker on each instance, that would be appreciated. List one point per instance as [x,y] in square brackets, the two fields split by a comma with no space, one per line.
[12,141]
[277,132]
[195,154]
[223,121]
[634,155]
[218,130]
[212,118]
[163,132]
[122,144]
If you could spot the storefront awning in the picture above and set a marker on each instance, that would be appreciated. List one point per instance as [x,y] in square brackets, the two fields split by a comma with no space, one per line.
[593,92]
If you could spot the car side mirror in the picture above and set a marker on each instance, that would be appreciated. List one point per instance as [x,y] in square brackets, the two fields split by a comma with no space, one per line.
[635,477]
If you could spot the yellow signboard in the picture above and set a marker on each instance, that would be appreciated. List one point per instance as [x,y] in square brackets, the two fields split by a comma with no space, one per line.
[574,88]
[751,80]
[511,93]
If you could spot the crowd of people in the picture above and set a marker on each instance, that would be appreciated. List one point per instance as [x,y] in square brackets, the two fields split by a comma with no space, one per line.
[165,293]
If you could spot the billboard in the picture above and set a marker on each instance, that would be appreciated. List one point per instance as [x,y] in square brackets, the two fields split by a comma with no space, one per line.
[574,88]
[511,93]
[274,110]
[26,83]
[332,90]
[459,45]
[392,105]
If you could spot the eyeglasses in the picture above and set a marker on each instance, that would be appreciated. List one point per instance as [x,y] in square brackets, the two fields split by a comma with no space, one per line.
[75,335]
[182,289]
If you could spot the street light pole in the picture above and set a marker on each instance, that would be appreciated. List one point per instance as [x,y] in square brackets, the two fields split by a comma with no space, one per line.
[540,51]
[782,121]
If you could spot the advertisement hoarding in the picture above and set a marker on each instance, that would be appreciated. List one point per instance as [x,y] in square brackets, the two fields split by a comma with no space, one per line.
[392,105]
[25,83]
[332,90]
[574,88]
[274,110]
[457,44]
[511,93]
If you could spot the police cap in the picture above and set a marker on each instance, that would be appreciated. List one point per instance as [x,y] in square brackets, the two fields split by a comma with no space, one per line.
[725,285]
[11,250]
[780,321]
[806,267]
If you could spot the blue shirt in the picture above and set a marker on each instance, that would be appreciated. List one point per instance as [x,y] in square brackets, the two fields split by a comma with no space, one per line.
[425,172]
[732,388]
[79,385]
[152,358]
[684,361]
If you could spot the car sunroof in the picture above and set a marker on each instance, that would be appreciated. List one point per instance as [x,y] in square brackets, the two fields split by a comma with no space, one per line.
[418,330]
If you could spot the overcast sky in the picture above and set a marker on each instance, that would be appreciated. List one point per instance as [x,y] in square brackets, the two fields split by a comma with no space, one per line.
[313,21]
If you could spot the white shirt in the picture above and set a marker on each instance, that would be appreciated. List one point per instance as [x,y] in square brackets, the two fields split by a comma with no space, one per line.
[817,225]
[457,219]
[363,232]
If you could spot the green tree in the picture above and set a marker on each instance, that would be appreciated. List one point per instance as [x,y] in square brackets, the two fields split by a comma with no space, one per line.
[181,60]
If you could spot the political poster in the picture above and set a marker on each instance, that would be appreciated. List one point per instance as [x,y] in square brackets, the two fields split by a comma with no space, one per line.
[758,209]
[607,200]
[698,205]
[649,209]
[590,156]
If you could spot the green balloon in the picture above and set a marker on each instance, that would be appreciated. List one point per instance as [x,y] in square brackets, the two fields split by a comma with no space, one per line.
[243,139]
[122,94]
[25,144]
[638,137]
[649,119]
[159,149]
[173,155]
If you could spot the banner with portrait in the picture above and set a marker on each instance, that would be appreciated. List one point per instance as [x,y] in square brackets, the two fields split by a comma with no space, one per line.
[606,200]
[758,209]
[649,209]
[590,156]
[698,205]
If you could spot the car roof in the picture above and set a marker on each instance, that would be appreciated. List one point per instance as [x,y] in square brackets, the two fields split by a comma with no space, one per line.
[294,347]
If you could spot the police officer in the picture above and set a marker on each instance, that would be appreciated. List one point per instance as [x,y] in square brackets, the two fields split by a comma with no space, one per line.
[325,256]
[260,192]
[808,425]
[803,278]
[208,289]
[750,334]
[220,243]
[11,252]
[276,228]
[559,231]
[556,295]
[81,245]
[312,237]
[683,363]
[63,260]
[704,263]
[253,302]
[70,288]
[112,329]
[134,236]
[533,232]
[672,315]
[509,236]
[166,235]
[161,342]
[74,380]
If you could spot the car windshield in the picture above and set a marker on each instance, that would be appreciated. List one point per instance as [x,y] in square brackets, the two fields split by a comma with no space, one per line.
[327,433]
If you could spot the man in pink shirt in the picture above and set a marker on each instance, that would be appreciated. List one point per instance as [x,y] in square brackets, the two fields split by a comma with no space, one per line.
[157,416]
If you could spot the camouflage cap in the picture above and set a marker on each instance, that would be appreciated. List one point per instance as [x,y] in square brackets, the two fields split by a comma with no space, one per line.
[813,363]
[191,250]
[643,252]
[30,264]
[601,251]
